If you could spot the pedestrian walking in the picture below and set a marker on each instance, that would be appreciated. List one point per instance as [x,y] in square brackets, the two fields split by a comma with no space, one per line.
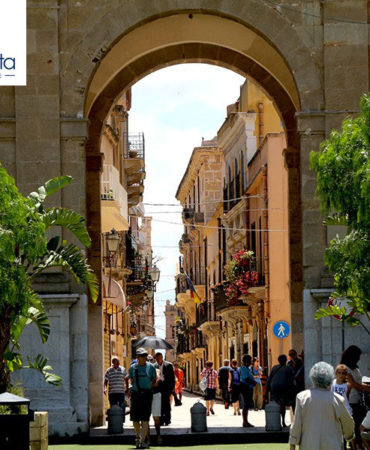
[212,385]
[166,386]
[235,386]
[247,384]
[257,390]
[143,377]
[116,379]
[296,364]
[157,407]
[224,381]
[281,385]
[350,357]
[321,418]
[340,385]
[179,383]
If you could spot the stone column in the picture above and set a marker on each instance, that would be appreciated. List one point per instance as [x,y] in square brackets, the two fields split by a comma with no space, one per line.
[37,110]
[292,163]
[67,350]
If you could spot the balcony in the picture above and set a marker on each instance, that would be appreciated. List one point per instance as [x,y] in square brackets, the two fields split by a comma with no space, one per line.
[133,153]
[135,193]
[114,204]
[189,215]
[220,300]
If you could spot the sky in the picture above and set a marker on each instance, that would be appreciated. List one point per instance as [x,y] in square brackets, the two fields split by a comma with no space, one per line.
[175,107]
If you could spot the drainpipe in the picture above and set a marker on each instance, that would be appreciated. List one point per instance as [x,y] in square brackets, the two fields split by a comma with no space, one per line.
[260,123]
[266,267]
[266,244]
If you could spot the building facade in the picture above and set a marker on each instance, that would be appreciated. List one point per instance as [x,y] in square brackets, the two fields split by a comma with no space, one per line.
[233,195]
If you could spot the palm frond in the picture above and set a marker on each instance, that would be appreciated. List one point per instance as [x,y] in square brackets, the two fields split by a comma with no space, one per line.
[66,218]
[40,319]
[49,188]
[70,257]
[46,370]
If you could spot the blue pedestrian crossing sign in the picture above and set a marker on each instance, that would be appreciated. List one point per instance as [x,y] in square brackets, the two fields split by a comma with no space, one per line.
[281,329]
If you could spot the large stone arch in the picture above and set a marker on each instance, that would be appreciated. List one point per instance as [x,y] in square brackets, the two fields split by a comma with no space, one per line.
[274,57]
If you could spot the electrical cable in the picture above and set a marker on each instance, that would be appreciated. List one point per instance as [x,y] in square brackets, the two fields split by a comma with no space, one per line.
[218,228]
[179,212]
[205,203]
[291,8]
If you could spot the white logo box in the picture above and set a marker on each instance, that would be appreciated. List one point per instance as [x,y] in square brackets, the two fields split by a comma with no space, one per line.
[13,45]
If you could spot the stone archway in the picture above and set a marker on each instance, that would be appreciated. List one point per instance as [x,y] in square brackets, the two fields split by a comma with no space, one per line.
[132,56]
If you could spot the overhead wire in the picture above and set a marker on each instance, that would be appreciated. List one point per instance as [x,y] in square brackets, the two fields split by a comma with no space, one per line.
[204,203]
[316,16]
[218,228]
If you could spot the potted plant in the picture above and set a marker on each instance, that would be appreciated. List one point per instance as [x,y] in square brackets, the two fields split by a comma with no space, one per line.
[239,277]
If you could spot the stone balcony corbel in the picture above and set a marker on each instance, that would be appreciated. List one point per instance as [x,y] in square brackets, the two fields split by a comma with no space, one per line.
[210,328]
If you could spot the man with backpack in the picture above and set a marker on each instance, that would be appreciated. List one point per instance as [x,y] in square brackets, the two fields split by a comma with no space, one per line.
[143,377]
[224,377]
[235,386]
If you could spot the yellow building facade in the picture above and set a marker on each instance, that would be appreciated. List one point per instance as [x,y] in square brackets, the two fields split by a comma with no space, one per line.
[234,197]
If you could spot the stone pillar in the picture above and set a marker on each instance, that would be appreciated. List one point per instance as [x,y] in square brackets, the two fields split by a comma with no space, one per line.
[67,351]
[292,163]
[325,338]
[37,108]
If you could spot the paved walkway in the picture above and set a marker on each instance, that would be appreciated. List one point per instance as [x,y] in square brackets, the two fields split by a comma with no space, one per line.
[220,425]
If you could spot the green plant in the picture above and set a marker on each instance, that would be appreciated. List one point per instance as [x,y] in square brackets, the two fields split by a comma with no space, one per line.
[342,169]
[26,251]
[239,276]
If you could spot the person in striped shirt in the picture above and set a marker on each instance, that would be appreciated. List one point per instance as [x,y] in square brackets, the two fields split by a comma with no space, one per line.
[212,386]
[117,379]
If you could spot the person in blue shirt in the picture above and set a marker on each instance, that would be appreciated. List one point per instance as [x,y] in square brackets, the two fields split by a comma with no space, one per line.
[143,377]
[247,384]
[235,386]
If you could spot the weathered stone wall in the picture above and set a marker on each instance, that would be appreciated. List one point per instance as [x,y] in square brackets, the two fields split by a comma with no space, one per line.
[44,126]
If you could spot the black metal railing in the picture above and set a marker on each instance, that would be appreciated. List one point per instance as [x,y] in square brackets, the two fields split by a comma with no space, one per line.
[188,213]
[220,300]
[135,144]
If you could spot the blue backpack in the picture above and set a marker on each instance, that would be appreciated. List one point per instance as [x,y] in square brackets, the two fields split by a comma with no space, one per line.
[235,373]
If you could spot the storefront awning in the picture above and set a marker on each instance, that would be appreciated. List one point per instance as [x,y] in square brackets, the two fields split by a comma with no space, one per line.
[113,292]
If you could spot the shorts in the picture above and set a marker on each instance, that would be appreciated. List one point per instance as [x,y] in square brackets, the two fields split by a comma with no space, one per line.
[235,393]
[247,394]
[283,397]
[141,406]
[210,394]
[157,405]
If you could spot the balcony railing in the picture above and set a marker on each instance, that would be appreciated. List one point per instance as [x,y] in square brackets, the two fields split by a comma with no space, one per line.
[112,189]
[135,145]
[220,300]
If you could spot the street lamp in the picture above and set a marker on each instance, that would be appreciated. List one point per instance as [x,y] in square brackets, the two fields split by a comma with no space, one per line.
[113,241]
[155,273]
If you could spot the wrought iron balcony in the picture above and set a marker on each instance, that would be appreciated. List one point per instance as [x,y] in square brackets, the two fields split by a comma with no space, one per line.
[135,144]
[220,300]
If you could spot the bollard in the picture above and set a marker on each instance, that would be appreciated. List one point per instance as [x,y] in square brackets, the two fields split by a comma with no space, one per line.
[272,413]
[115,420]
[198,413]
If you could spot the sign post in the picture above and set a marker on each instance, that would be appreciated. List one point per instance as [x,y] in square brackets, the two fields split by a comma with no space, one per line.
[281,330]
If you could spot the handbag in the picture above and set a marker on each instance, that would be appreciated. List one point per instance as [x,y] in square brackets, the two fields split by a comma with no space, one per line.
[203,383]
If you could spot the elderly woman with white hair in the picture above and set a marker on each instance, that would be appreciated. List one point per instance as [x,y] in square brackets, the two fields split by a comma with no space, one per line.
[321,419]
